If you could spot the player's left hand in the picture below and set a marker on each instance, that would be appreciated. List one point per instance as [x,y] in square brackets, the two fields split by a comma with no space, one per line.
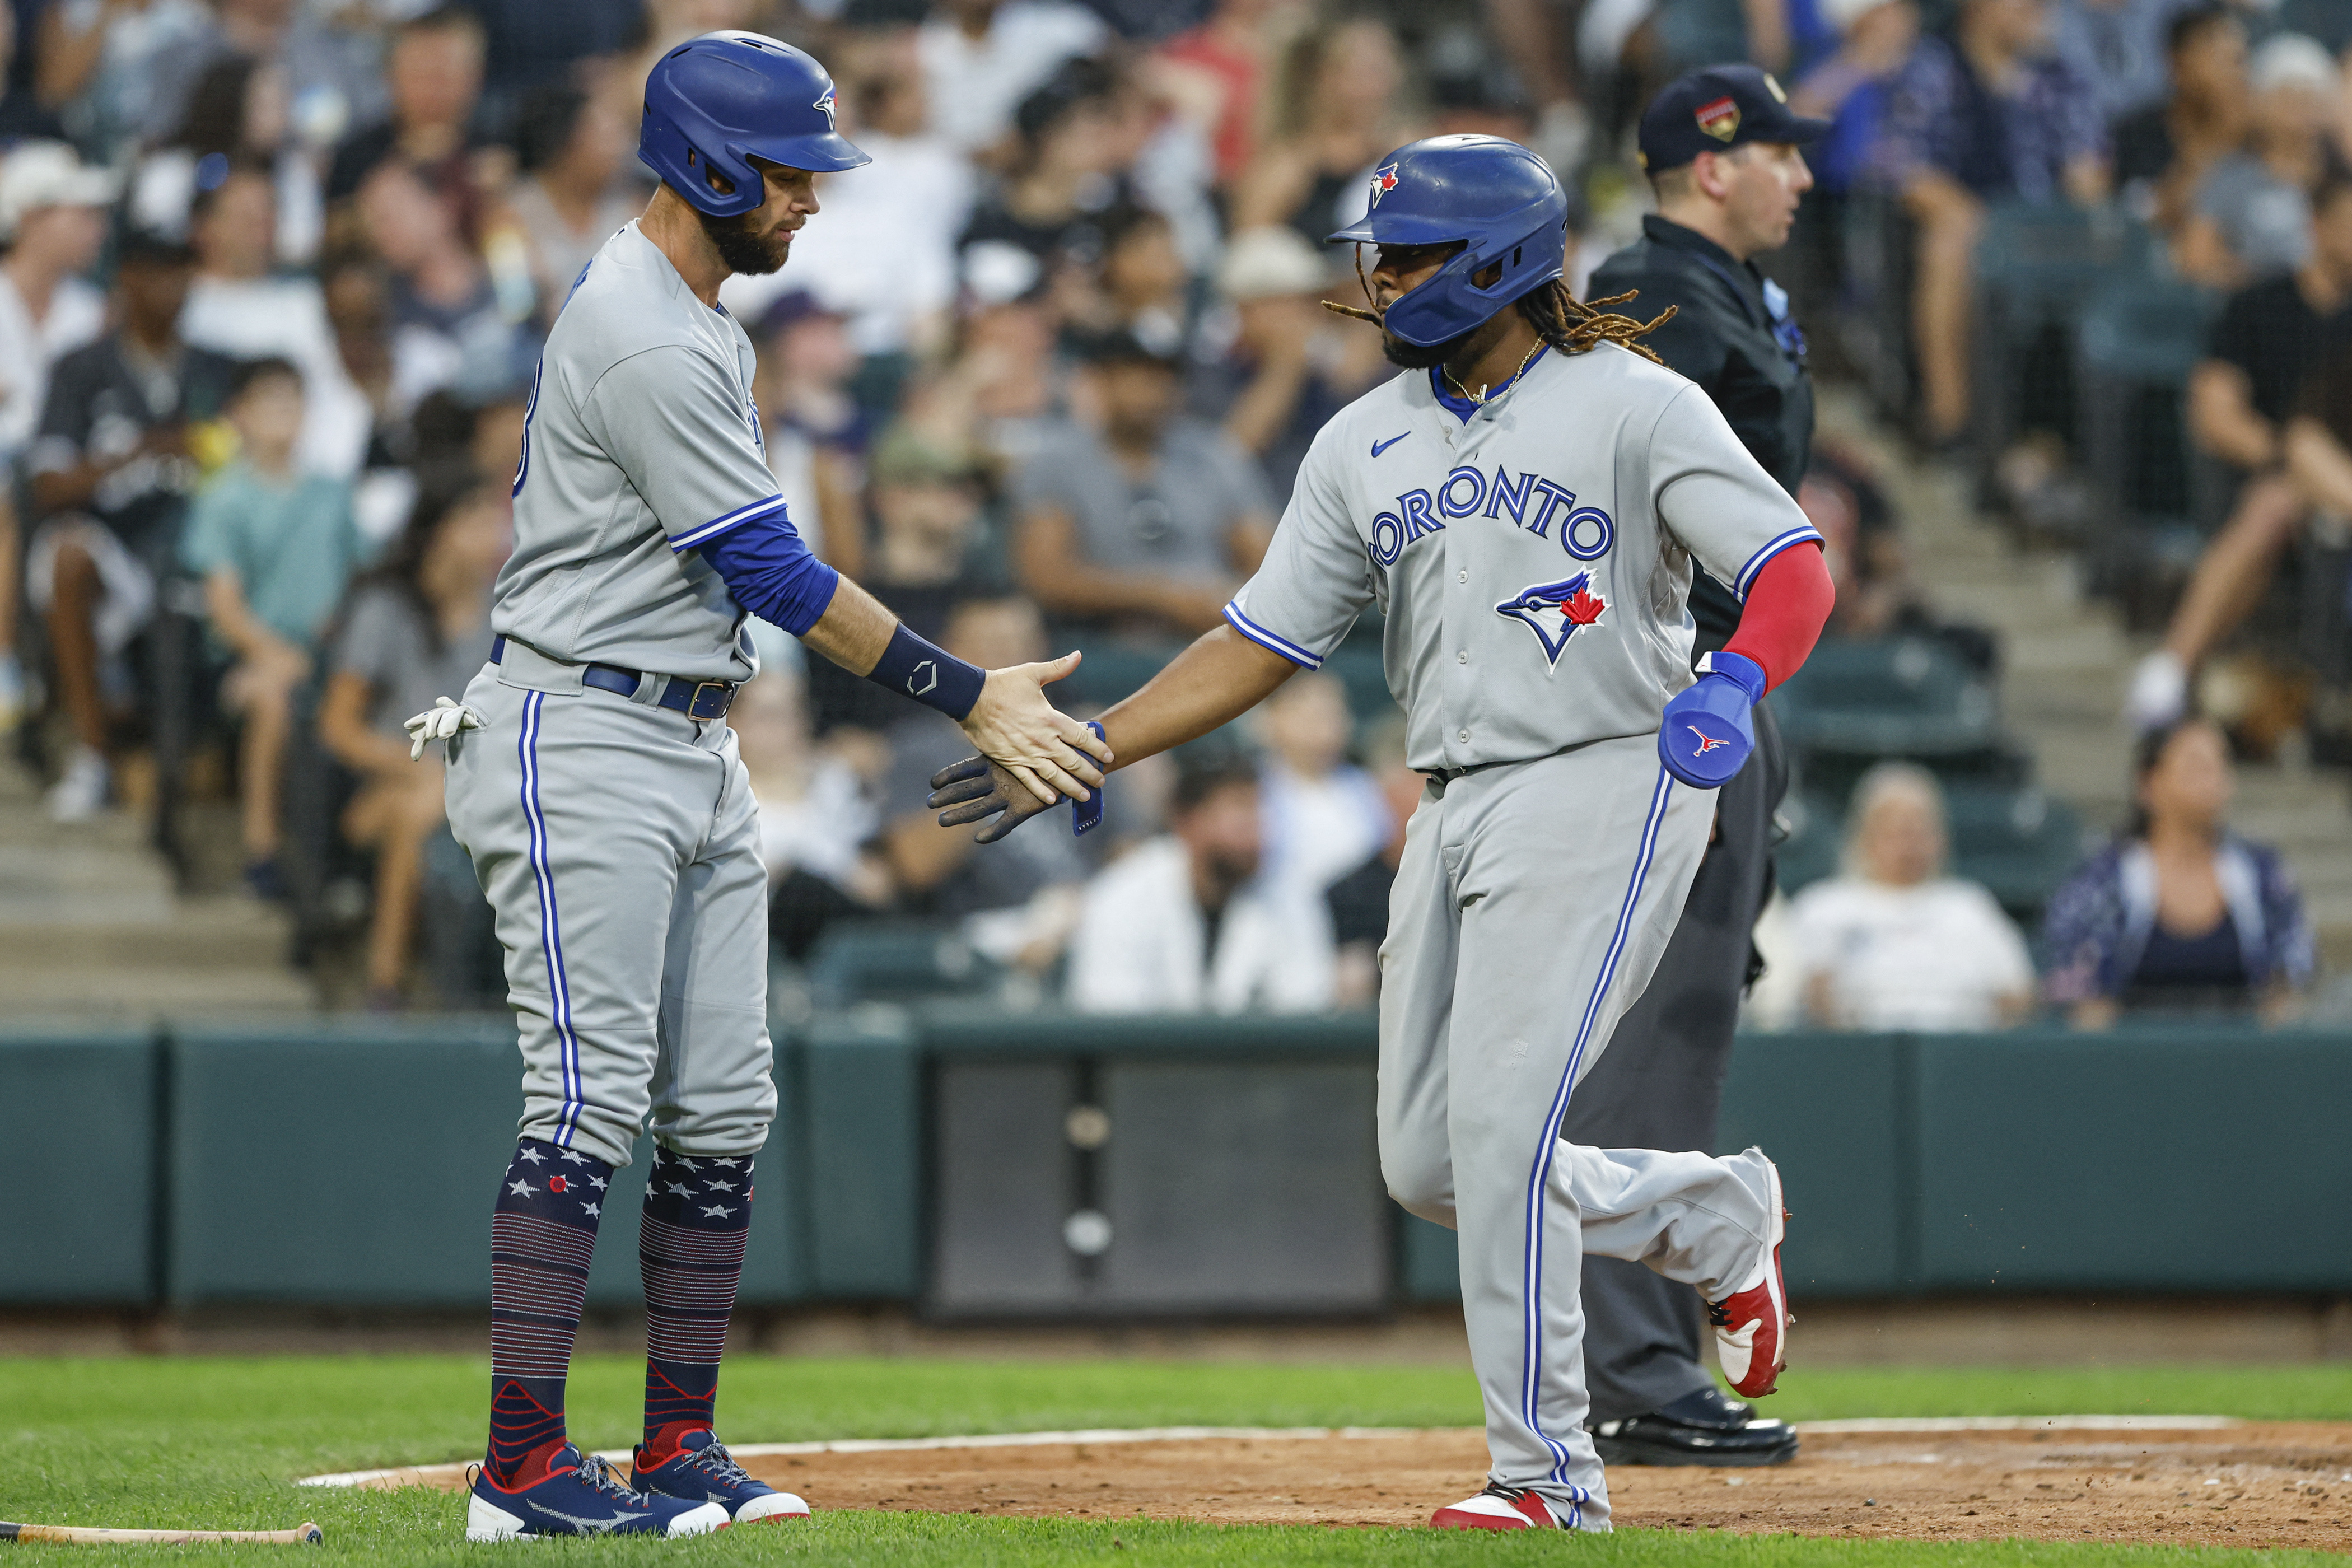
[1051,754]
[975,790]
[1707,731]
[445,720]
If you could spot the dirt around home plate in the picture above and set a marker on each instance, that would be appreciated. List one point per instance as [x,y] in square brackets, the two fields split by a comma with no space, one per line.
[2247,1484]
[2250,1485]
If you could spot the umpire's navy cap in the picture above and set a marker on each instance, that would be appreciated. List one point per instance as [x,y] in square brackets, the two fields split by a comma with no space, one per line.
[1715,108]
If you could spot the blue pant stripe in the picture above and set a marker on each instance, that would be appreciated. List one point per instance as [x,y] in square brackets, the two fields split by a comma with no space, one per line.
[1539,1179]
[550,930]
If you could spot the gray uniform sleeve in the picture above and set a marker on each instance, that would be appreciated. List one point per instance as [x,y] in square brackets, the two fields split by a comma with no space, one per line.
[1711,494]
[1315,578]
[687,442]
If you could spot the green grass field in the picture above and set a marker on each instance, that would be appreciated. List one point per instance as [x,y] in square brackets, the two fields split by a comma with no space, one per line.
[216,1443]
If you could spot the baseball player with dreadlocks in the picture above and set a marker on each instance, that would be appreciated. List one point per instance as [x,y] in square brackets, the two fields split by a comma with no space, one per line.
[1525,503]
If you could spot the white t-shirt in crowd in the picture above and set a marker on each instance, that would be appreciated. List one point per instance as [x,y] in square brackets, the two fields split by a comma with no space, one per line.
[1318,830]
[286,316]
[1935,956]
[1141,944]
[973,88]
[76,316]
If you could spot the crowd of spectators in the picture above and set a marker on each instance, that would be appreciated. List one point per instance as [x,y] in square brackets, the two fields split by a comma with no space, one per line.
[1041,375]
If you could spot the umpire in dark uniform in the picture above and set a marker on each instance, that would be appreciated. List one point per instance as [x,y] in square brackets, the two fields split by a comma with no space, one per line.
[1724,155]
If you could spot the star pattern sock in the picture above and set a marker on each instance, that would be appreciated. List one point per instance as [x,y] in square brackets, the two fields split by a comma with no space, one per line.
[543,1237]
[690,1250]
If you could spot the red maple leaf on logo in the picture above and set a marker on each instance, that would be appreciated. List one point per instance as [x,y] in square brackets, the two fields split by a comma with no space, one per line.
[1581,608]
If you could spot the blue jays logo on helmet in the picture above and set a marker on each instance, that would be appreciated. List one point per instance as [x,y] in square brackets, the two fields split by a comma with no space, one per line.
[824,102]
[1556,612]
[1706,742]
[715,104]
[1384,180]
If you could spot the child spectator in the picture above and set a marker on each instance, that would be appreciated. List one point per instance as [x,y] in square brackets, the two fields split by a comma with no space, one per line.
[416,627]
[275,548]
[1892,942]
[109,472]
[1184,923]
[2179,914]
[1323,815]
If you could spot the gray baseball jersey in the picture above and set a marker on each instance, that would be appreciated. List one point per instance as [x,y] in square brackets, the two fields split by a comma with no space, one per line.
[1532,553]
[642,442]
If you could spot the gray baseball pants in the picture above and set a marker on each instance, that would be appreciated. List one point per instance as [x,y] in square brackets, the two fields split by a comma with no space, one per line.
[1531,905]
[617,842]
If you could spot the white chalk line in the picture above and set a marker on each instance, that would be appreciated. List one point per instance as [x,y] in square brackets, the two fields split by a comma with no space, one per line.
[426,1475]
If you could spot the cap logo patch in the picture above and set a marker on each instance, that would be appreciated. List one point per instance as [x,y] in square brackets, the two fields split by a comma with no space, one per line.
[825,102]
[1772,85]
[1384,180]
[1719,119]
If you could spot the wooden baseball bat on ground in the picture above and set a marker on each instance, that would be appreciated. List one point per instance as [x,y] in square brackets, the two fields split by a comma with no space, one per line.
[304,1534]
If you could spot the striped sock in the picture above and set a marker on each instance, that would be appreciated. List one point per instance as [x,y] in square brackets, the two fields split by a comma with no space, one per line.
[690,1250]
[543,1236]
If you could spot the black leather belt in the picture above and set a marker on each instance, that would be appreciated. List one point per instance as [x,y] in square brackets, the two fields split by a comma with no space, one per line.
[704,700]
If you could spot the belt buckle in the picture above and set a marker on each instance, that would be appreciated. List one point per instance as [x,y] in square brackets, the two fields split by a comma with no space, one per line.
[725,691]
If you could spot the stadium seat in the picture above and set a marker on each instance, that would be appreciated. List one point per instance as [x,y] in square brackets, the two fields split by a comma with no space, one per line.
[895,961]
[1905,697]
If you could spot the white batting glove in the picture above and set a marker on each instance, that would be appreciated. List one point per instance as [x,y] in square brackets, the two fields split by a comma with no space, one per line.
[445,720]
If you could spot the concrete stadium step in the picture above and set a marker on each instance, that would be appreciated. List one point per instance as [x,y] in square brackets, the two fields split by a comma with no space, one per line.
[92,930]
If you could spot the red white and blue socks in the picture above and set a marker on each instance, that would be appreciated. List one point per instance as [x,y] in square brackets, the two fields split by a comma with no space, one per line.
[698,1217]
[542,1239]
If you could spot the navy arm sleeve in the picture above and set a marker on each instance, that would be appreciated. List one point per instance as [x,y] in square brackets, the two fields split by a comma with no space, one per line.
[766,564]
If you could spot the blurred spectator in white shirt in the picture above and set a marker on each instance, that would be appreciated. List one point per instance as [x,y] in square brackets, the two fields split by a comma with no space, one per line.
[572,197]
[1892,942]
[980,57]
[1184,923]
[1324,815]
[53,219]
[237,306]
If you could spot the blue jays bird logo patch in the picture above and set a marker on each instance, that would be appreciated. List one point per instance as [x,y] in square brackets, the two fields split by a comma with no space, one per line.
[1555,611]
[1706,742]
[825,102]
[1384,180]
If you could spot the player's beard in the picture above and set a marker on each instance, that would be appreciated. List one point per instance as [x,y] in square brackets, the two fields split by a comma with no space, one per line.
[744,251]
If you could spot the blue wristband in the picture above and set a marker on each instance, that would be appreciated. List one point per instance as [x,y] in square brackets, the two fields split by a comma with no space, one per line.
[930,675]
[1085,815]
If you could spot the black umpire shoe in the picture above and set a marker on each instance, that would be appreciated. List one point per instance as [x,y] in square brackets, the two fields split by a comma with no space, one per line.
[1704,1428]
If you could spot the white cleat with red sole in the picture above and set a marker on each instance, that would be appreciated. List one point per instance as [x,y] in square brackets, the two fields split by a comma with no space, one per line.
[1752,1324]
[1499,1508]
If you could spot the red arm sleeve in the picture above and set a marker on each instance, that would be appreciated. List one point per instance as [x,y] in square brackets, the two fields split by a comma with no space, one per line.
[1788,604]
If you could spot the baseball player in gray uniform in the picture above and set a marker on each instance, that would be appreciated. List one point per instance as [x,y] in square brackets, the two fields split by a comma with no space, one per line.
[1525,503]
[594,782]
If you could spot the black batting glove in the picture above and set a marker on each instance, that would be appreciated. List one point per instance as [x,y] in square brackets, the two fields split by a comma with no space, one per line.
[975,790]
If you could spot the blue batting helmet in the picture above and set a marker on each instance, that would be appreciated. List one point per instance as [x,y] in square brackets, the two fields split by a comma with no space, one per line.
[714,103]
[1497,196]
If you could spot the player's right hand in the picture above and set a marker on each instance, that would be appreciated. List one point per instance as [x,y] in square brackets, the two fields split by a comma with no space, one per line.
[1013,726]
[975,789]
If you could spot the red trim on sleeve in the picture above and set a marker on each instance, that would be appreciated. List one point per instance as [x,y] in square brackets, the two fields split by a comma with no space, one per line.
[1788,604]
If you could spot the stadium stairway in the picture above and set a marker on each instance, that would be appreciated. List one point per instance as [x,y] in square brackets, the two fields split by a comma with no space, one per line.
[91,931]
[2065,661]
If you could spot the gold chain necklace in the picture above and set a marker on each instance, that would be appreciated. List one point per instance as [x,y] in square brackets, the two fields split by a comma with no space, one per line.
[1479,396]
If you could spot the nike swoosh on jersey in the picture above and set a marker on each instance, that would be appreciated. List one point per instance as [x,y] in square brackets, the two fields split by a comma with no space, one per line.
[1380,447]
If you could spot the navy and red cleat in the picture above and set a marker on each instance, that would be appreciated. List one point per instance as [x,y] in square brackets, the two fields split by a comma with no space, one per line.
[1752,1324]
[1499,1506]
[581,1495]
[701,1471]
